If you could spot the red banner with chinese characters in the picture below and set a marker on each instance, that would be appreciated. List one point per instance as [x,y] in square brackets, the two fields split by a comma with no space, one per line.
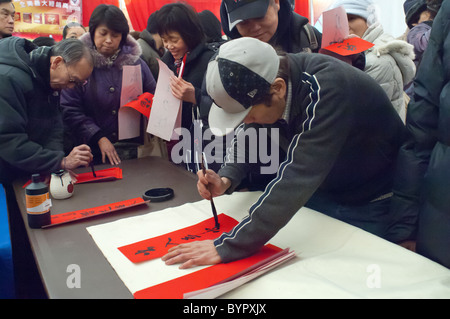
[207,277]
[108,174]
[158,246]
[94,211]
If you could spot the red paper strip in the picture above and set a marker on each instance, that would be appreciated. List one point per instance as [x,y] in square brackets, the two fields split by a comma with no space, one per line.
[207,277]
[102,175]
[158,246]
[350,46]
[143,104]
[95,211]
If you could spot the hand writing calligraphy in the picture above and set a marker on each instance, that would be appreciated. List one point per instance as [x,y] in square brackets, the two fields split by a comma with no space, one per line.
[161,244]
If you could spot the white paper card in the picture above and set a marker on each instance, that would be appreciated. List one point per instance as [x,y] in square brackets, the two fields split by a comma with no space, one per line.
[129,119]
[335,26]
[165,106]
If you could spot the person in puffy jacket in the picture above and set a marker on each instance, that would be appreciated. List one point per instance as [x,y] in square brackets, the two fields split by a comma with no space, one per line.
[91,112]
[31,131]
[187,56]
[421,189]
[419,16]
[389,61]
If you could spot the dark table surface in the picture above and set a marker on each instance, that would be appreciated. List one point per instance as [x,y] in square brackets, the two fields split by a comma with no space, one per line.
[61,251]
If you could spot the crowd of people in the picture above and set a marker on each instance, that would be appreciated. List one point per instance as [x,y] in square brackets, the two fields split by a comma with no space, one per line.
[363,139]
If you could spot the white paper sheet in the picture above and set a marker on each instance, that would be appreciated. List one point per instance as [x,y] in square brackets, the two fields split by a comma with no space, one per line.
[129,119]
[165,106]
[335,26]
[334,259]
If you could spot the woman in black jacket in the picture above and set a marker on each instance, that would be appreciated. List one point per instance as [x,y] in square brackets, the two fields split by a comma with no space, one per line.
[182,34]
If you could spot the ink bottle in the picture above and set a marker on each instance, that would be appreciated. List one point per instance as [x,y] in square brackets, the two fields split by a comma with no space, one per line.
[38,203]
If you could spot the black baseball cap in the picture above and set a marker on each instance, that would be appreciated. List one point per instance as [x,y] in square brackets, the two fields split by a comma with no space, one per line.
[240,10]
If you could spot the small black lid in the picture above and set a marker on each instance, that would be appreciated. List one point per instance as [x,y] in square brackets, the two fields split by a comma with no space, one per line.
[158,194]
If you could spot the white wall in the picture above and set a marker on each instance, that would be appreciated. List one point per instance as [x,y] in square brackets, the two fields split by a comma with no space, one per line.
[392,16]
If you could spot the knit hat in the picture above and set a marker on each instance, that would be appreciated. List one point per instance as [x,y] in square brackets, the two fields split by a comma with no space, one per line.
[365,9]
[239,77]
[413,9]
[434,5]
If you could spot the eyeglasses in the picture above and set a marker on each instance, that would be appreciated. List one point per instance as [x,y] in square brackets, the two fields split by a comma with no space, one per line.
[77,82]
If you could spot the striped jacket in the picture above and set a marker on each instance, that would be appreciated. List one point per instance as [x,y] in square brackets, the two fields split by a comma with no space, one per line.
[342,136]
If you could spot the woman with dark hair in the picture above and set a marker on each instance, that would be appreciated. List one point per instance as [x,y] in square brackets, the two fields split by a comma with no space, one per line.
[91,112]
[182,34]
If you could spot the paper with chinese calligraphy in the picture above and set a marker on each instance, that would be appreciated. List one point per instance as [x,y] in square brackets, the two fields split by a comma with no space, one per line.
[165,107]
[158,246]
[107,174]
[335,26]
[129,119]
[139,276]
[336,31]
[64,218]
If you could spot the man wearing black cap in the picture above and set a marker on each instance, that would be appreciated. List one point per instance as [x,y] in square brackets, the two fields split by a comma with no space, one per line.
[271,21]
[338,131]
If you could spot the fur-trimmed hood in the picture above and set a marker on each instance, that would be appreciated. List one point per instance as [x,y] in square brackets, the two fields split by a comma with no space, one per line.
[401,51]
[129,53]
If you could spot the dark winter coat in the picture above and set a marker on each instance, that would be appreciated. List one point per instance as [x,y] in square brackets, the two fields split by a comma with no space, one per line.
[194,72]
[91,112]
[422,185]
[31,134]
[150,53]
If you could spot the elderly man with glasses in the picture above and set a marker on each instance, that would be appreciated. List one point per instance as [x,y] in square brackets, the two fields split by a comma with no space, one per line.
[31,130]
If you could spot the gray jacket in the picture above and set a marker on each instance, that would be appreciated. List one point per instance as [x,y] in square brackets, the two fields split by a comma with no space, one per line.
[390,63]
[31,131]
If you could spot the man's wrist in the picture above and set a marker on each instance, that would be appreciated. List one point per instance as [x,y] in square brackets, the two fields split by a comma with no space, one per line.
[226,183]
[63,163]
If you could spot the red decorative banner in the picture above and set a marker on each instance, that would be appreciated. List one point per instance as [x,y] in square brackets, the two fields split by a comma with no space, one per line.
[207,277]
[95,211]
[143,104]
[158,246]
[108,174]
[350,46]
[104,175]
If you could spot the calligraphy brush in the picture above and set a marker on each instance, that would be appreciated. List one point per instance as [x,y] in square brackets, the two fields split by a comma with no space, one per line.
[213,207]
[92,168]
